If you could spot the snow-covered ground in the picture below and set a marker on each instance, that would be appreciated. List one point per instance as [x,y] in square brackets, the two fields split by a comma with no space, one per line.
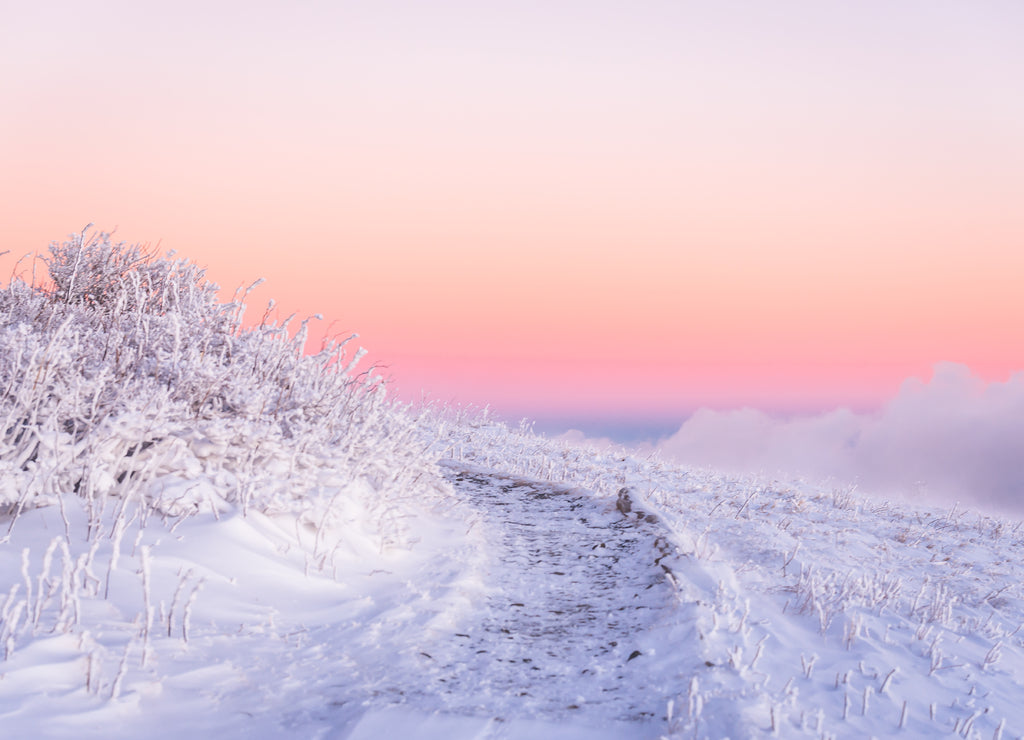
[205,532]
[520,608]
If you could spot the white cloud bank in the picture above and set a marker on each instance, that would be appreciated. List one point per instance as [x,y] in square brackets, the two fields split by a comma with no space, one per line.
[954,438]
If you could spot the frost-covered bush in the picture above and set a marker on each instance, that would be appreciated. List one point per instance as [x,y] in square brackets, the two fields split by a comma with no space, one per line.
[125,376]
[89,269]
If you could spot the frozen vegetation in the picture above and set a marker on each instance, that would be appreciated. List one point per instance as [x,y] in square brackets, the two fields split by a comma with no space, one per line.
[205,529]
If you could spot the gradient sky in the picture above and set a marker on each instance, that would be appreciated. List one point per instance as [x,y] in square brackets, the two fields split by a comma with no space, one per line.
[574,210]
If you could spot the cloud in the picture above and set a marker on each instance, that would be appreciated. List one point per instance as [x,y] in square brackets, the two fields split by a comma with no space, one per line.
[953,438]
[576,437]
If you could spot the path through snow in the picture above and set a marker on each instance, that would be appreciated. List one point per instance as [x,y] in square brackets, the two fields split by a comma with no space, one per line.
[573,584]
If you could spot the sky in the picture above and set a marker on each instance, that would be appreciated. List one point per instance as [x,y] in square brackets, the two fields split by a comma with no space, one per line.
[605,215]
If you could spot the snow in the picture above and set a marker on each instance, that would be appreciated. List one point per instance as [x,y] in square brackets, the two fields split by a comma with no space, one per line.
[261,630]
[304,558]
[528,609]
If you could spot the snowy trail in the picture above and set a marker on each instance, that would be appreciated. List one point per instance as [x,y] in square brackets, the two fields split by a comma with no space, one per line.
[573,583]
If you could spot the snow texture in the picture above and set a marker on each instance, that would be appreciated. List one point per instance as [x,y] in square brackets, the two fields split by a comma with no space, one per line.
[571,589]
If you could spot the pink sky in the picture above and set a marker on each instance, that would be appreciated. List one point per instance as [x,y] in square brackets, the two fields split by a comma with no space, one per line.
[560,209]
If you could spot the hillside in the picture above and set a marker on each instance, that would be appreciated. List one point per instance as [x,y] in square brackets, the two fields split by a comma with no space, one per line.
[205,529]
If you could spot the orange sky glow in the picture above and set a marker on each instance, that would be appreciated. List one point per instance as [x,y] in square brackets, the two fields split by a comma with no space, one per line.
[573,210]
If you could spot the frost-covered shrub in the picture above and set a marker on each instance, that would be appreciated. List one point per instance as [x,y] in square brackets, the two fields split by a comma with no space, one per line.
[126,373]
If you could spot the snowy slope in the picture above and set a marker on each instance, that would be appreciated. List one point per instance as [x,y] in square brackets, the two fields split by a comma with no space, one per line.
[820,613]
[528,609]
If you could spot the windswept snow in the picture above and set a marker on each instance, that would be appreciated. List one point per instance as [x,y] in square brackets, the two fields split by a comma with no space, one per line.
[219,625]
